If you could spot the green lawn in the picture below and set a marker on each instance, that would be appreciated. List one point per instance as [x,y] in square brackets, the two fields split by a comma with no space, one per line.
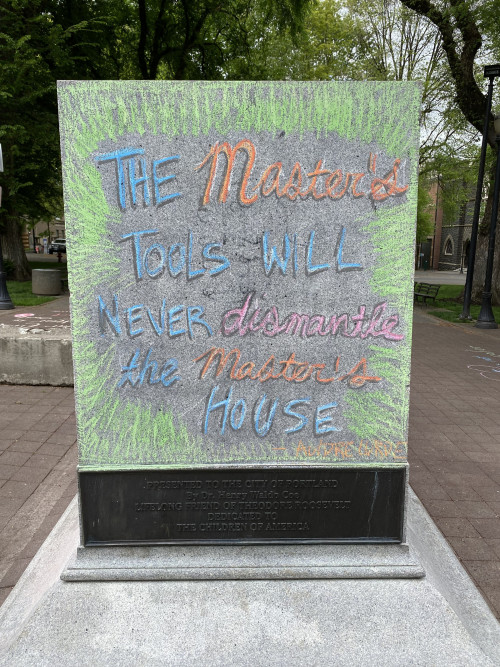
[450,299]
[20,292]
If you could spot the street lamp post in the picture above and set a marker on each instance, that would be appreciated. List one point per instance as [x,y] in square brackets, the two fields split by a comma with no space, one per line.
[5,300]
[490,72]
[486,319]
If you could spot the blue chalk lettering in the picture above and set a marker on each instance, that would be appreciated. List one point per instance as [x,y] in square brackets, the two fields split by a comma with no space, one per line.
[158,180]
[272,257]
[156,247]
[324,420]
[113,319]
[159,328]
[172,319]
[134,182]
[264,429]
[225,263]
[119,156]
[194,314]
[340,264]
[311,268]
[151,367]
[175,270]
[167,377]
[192,274]
[291,413]
[132,365]
[215,406]
[234,420]
[132,318]
[137,246]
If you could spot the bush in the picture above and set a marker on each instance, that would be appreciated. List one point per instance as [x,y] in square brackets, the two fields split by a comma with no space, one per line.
[9,267]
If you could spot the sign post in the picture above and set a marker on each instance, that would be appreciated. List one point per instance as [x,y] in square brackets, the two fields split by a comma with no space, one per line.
[241,268]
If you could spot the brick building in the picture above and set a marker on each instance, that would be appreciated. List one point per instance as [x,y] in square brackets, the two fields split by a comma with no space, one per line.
[455,239]
[54,229]
[448,248]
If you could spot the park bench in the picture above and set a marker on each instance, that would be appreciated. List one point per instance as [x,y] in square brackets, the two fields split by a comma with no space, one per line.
[425,291]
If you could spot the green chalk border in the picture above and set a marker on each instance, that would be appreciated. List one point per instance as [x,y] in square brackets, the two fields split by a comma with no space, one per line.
[92,112]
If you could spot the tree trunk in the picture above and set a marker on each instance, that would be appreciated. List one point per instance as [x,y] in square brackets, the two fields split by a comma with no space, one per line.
[482,253]
[12,248]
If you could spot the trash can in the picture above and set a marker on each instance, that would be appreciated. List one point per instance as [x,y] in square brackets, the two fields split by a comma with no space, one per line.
[46,282]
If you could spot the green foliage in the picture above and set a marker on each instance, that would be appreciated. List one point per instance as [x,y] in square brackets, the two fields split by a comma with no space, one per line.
[45,40]
[33,53]
[425,211]
[42,41]
[9,267]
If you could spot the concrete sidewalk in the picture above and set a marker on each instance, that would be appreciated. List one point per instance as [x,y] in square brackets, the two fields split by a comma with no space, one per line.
[454,441]
[454,452]
[440,277]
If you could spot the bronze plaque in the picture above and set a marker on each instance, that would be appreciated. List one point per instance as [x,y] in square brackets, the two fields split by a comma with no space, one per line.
[257,505]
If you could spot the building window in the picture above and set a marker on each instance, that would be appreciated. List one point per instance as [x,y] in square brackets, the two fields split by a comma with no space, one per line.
[448,246]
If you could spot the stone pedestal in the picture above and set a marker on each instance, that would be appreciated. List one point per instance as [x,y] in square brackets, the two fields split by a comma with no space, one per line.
[252,619]
[284,561]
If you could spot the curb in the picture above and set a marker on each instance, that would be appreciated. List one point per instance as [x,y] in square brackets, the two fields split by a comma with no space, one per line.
[35,359]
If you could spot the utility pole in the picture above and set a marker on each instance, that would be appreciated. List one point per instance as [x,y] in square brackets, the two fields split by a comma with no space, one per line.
[491,72]
[5,300]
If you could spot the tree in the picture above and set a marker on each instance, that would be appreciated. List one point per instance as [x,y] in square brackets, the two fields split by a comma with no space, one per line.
[185,39]
[465,36]
[425,218]
[42,41]
[321,47]
[33,52]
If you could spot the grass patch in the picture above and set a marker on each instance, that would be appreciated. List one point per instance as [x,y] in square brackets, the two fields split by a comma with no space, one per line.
[21,294]
[452,312]
[450,297]
[450,292]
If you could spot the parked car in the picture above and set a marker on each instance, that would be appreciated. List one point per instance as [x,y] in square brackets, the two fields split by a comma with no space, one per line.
[57,245]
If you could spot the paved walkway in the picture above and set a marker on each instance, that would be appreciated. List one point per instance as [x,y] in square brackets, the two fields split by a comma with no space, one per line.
[440,277]
[454,452]
[37,471]
[454,441]
[52,316]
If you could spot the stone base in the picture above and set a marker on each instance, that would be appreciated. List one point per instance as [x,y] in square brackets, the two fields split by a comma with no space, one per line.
[437,620]
[308,561]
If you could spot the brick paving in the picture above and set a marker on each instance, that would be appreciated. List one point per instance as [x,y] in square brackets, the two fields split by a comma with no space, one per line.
[454,453]
[454,441]
[37,471]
